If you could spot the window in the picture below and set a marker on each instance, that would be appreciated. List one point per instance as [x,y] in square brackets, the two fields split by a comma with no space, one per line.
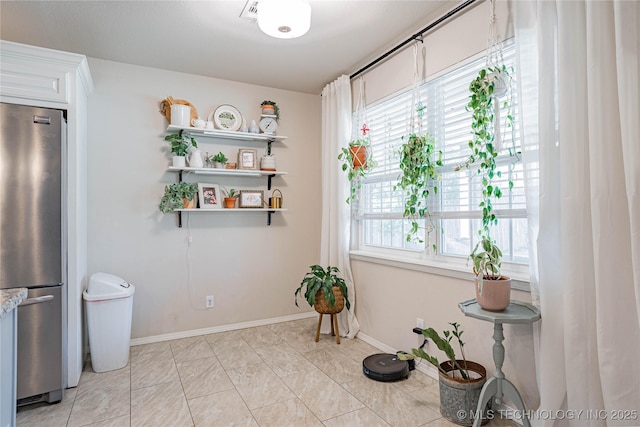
[455,211]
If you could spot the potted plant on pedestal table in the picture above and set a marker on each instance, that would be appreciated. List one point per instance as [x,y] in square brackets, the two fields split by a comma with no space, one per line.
[493,290]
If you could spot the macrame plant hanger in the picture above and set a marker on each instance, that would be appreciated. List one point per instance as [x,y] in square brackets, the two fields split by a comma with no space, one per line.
[417,108]
[360,127]
[494,62]
[361,154]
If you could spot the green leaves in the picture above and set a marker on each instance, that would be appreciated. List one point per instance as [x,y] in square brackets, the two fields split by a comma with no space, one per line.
[444,344]
[418,162]
[180,143]
[487,259]
[320,279]
[483,150]
[355,172]
[173,194]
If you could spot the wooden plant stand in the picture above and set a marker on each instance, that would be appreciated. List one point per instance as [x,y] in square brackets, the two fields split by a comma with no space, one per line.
[334,331]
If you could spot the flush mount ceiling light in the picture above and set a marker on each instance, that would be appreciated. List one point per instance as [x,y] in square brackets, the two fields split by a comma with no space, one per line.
[284,19]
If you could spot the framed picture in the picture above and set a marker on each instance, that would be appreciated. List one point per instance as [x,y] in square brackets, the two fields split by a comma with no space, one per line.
[251,198]
[209,196]
[247,158]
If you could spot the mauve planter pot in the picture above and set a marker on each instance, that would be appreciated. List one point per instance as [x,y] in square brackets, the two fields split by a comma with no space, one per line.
[494,295]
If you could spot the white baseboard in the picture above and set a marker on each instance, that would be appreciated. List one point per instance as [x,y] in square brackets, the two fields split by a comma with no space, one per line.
[222,328]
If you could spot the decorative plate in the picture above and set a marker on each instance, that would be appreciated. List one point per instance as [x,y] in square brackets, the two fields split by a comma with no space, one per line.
[226,117]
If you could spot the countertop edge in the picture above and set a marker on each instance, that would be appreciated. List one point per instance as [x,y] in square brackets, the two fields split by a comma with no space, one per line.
[10,298]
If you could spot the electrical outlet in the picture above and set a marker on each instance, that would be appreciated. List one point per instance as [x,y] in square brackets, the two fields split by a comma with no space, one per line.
[419,323]
[209,301]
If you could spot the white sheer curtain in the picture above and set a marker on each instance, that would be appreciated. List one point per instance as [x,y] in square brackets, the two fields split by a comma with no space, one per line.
[336,218]
[579,71]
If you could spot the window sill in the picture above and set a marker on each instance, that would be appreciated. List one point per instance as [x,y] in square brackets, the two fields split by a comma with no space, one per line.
[518,282]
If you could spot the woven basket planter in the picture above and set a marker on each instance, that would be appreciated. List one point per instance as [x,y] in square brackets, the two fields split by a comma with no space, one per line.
[322,306]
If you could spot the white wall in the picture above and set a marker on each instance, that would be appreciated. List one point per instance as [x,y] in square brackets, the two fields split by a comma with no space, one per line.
[252,270]
[389,299]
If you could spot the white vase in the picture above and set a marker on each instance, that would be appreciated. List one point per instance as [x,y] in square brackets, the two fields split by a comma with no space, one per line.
[254,127]
[179,162]
[268,163]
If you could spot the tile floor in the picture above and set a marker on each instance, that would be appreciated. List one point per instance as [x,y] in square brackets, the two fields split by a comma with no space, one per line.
[274,375]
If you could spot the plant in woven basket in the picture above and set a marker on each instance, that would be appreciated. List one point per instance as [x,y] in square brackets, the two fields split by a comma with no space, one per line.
[418,179]
[320,281]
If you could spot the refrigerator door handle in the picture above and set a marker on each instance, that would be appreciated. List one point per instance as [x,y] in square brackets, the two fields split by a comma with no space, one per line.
[36,300]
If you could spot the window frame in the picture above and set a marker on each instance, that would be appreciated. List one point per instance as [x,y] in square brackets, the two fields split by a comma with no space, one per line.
[423,258]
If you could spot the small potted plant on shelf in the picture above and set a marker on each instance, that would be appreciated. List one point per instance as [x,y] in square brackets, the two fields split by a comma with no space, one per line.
[178,196]
[326,292]
[219,160]
[180,146]
[460,380]
[270,108]
[357,160]
[230,197]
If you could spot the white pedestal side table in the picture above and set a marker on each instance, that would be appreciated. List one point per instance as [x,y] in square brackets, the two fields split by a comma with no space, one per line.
[498,386]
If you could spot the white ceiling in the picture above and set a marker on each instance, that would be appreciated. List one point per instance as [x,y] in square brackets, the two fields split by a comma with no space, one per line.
[209,38]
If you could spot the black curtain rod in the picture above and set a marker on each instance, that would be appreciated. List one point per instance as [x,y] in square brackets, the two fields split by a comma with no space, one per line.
[416,36]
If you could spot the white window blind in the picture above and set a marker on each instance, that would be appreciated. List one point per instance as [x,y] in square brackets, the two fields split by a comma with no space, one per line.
[455,211]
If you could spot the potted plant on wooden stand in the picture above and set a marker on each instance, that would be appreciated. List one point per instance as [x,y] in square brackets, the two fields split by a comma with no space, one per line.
[230,198]
[327,292]
[460,380]
[418,179]
[178,196]
[180,146]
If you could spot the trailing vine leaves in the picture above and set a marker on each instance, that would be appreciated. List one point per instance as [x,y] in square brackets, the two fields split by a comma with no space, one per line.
[419,178]
[356,169]
[483,151]
[174,193]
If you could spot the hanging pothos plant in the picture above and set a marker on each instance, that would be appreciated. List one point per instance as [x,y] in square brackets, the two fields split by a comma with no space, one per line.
[484,129]
[418,161]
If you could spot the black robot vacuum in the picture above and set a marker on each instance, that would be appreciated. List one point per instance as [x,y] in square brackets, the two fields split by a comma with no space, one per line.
[385,367]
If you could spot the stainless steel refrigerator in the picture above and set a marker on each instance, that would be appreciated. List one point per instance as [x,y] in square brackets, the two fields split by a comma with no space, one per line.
[32,243]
